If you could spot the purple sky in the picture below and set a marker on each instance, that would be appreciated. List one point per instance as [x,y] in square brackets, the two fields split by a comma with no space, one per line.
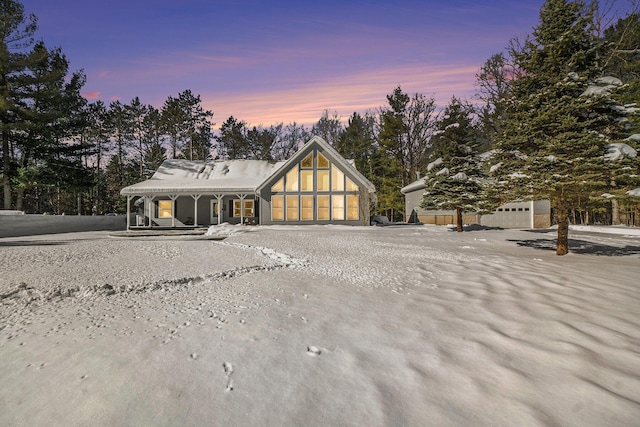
[267,62]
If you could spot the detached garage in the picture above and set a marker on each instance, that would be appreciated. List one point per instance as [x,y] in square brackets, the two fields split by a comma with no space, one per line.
[533,214]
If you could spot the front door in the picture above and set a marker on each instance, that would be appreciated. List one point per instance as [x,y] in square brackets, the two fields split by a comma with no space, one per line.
[215,211]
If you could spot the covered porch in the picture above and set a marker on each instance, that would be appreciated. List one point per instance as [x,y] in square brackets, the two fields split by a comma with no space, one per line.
[188,211]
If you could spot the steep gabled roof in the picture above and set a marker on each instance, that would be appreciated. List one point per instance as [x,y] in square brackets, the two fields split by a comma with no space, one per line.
[178,176]
[346,165]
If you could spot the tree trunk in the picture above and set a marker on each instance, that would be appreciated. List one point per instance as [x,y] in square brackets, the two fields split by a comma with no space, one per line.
[6,165]
[562,216]
[615,212]
[459,220]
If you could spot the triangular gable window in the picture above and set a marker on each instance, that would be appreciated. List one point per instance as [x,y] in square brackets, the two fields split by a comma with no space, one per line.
[278,186]
[351,186]
[307,162]
[323,163]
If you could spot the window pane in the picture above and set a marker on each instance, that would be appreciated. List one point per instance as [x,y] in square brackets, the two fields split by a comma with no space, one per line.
[323,208]
[277,208]
[165,209]
[278,186]
[323,163]
[337,203]
[351,186]
[248,208]
[337,179]
[307,162]
[292,179]
[236,208]
[352,207]
[306,178]
[323,180]
[307,208]
[292,208]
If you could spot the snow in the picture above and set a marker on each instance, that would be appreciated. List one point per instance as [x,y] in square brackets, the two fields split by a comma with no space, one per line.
[436,162]
[618,151]
[443,171]
[178,175]
[321,325]
[460,176]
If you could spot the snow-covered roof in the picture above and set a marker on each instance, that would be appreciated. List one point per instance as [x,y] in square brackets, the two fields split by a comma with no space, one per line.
[177,176]
[414,186]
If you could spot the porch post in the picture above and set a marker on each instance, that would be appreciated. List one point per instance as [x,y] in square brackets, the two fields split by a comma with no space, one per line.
[128,212]
[150,199]
[242,197]
[195,208]
[173,210]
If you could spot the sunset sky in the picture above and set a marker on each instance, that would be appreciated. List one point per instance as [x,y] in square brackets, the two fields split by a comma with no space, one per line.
[267,62]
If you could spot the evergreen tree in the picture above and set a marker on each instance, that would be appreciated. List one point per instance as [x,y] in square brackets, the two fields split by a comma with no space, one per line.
[121,128]
[328,127]
[555,133]
[195,127]
[262,140]
[16,38]
[454,175]
[406,127]
[232,141]
[155,153]
[137,112]
[358,142]
[96,133]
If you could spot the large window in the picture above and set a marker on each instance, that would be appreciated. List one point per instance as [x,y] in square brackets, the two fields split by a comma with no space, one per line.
[306,208]
[165,208]
[277,208]
[337,207]
[323,208]
[313,189]
[353,207]
[323,180]
[306,178]
[292,208]
[292,179]
[337,179]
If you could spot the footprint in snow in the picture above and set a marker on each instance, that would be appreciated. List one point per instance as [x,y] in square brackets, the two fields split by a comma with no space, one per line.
[313,351]
[228,369]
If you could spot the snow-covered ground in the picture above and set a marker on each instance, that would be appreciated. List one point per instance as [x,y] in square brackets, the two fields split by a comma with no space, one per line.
[321,325]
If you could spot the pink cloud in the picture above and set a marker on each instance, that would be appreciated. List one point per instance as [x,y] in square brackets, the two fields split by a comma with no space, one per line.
[91,95]
[357,92]
[103,74]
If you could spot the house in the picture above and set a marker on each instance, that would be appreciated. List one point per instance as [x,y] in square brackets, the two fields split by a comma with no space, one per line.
[315,186]
[532,214]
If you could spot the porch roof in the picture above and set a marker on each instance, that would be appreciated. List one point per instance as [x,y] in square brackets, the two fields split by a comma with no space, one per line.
[177,176]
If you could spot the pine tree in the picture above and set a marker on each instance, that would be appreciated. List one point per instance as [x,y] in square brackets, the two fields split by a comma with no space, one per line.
[454,176]
[555,133]
[16,37]
[232,141]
